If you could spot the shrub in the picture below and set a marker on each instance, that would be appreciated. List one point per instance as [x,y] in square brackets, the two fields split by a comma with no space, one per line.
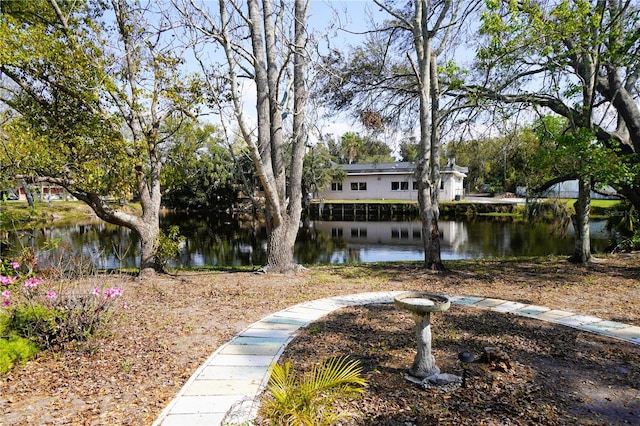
[15,349]
[551,211]
[623,243]
[52,316]
[309,400]
[623,224]
[168,245]
[36,323]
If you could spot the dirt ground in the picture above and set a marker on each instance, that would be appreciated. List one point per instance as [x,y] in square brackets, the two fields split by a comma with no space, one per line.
[172,324]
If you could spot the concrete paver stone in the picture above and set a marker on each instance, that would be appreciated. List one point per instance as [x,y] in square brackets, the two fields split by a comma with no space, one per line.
[508,307]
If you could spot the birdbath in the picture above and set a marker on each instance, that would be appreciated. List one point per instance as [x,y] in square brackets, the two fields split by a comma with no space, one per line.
[421,305]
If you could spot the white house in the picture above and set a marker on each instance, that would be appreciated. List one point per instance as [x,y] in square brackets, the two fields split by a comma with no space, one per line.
[391,181]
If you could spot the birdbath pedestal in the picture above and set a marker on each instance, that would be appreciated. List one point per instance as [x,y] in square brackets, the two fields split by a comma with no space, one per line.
[421,305]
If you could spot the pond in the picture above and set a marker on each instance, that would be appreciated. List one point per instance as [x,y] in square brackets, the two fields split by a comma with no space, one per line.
[226,241]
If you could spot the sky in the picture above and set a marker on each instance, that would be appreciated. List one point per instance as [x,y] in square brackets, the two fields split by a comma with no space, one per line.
[353,16]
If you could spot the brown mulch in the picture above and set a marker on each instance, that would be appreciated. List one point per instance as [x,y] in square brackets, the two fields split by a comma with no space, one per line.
[172,324]
[552,375]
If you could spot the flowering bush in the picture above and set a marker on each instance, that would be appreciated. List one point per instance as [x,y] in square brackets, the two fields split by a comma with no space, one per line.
[52,316]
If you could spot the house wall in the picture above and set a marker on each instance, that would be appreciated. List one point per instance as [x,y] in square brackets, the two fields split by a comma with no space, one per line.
[452,185]
[569,189]
[44,192]
[378,187]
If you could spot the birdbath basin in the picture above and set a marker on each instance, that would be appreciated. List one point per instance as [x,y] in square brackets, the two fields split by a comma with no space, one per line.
[422,304]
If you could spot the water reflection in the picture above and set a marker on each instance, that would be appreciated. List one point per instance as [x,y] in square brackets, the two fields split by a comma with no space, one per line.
[215,241]
[376,241]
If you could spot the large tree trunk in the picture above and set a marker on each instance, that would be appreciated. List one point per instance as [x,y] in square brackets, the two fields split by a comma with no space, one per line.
[433,259]
[150,200]
[273,51]
[428,176]
[280,256]
[582,248]
[27,192]
[281,241]
[148,234]
[283,196]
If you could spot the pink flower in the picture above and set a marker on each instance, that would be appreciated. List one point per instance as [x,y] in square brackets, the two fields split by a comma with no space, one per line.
[6,294]
[15,265]
[6,280]
[113,292]
[96,291]
[52,295]
[6,302]
[33,282]
[124,305]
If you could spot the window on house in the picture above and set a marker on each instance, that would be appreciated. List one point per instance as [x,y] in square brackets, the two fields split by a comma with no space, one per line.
[358,186]
[415,186]
[359,232]
[336,232]
[417,234]
[336,186]
[401,233]
[399,186]
[441,184]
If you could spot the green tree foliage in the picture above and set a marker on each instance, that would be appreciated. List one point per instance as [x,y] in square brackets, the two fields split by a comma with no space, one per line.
[49,87]
[567,153]
[354,148]
[501,163]
[198,172]
[168,246]
[89,85]
[409,149]
[580,60]
[318,171]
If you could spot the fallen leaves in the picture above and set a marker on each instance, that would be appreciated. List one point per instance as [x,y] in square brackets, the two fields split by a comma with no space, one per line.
[173,324]
[515,384]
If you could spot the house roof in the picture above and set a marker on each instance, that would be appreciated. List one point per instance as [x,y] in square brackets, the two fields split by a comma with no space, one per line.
[402,168]
[452,168]
[399,168]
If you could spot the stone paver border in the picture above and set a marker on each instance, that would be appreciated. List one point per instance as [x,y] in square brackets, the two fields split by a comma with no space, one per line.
[237,372]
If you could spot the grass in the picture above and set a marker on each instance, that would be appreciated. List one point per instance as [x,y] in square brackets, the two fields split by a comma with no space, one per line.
[18,214]
[605,204]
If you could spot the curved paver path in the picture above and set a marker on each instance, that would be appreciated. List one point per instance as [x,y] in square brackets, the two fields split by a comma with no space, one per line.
[238,371]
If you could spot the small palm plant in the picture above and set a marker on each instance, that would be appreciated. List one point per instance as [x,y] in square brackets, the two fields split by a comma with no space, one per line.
[308,400]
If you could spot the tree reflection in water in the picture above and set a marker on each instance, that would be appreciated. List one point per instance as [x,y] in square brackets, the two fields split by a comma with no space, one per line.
[215,240]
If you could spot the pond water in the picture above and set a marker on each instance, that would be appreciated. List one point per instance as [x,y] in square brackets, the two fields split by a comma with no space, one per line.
[216,241]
